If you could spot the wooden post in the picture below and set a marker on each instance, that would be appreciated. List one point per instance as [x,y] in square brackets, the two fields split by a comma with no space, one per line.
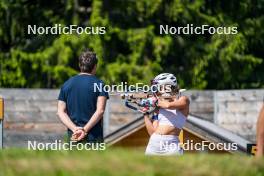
[1,108]
[1,121]
[181,137]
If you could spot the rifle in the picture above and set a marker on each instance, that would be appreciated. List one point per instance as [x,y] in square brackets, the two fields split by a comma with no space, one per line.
[146,102]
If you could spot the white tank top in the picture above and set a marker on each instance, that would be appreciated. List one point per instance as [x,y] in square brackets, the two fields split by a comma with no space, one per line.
[171,117]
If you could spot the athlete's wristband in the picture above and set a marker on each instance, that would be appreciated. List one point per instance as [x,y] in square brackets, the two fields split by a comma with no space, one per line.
[154,117]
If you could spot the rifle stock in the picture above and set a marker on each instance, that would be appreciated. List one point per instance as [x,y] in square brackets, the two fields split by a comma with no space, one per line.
[142,95]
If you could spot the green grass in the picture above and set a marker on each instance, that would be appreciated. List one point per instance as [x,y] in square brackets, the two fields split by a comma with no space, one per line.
[15,162]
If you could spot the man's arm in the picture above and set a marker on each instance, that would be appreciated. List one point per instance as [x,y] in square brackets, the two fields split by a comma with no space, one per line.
[62,114]
[101,102]
[260,133]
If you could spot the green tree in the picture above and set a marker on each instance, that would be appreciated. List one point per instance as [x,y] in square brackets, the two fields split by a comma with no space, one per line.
[132,49]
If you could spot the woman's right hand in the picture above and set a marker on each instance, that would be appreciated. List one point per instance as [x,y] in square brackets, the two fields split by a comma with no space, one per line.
[149,102]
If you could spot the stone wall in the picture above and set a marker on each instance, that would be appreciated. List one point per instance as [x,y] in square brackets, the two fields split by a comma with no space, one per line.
[237,111]
[30,114]
[201,103]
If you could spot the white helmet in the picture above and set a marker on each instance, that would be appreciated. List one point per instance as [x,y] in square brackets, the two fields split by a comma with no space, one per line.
[165,79]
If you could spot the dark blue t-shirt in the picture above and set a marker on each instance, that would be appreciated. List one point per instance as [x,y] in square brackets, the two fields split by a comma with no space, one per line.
[80,96]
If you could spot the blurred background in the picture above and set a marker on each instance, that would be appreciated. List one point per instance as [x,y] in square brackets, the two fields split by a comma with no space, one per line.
[216,67]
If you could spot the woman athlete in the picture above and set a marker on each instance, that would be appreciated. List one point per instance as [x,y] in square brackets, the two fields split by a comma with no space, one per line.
[172,114]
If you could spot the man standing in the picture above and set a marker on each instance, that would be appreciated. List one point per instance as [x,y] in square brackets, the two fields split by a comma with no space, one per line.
[80,107]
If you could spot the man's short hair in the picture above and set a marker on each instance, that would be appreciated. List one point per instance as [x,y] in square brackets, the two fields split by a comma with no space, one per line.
[87,61]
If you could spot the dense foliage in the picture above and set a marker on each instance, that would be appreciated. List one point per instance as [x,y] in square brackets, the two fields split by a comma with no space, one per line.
[132,49]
